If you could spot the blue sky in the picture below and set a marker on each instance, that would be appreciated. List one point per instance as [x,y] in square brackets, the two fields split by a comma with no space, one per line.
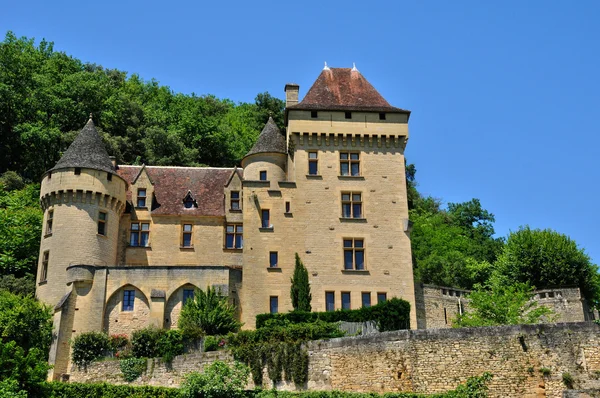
[504,95]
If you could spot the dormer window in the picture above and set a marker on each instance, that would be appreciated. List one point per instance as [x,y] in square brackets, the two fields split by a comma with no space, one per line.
[141,197]
[189,202]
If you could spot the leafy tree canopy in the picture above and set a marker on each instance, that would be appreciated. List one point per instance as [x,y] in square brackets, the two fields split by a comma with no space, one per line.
[546,258]
[497,303]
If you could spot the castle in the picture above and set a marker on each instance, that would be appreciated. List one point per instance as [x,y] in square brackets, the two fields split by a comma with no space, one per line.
[123,247]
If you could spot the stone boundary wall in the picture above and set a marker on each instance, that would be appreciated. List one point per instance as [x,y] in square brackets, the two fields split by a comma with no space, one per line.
[426,361]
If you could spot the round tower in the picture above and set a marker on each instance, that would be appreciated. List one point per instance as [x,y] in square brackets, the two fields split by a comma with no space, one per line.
[268,157]
[83,199]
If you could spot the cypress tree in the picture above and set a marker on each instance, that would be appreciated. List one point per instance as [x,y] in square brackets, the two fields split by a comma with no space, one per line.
[300,290]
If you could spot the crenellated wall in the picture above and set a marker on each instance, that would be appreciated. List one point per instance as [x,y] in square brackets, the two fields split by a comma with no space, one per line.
[425,361]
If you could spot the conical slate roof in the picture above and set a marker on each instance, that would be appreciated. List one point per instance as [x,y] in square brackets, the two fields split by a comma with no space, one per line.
[270,140]
[344,89]
[87,151]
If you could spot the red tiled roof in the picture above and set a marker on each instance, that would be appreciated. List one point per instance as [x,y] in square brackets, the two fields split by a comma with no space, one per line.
[346,90]
[171,185]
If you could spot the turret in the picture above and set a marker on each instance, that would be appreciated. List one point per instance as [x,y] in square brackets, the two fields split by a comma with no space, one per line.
[83,199]
[267,159]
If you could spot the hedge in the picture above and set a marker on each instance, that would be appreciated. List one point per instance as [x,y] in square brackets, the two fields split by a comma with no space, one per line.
[103,390]
[393,314]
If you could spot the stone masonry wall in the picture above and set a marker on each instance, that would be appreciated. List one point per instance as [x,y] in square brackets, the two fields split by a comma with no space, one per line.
[425,361]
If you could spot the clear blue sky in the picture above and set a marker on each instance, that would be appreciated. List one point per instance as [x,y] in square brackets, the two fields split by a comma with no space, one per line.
[505,95]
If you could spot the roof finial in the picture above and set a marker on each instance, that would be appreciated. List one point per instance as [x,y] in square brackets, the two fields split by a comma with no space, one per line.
[326,67]
[354,67]
[90,115]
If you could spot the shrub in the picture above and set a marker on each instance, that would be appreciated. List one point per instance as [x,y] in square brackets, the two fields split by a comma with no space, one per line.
[132,368]
[102,390]
[144,342]
[568,380]
[208,312]
[170,344]
[88,347]
[545,371]
[213,343]
[393,314]
[218,380]
[152,342]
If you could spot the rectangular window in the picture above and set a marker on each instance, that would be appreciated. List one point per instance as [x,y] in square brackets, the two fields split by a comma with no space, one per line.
[274,304]
[234,236]
[263,175]
[128,300]
[354,254]
[266,219]
[44,270]
[314,114]
[235,200]
[141,197]
[350,164]
[49,222]
[139,234]
[329,301]
[288,207]
[188,294]
[77,171]
[352,205]
[346,300]
[109,176]
[366,299]
[381,297]
[382,116]
[273,259]
[186,232]
[102,218]
[348,115]
[313,163]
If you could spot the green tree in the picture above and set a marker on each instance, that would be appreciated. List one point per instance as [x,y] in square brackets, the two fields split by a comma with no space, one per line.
[498,303]
[546,258]
[208,313]
[300,289]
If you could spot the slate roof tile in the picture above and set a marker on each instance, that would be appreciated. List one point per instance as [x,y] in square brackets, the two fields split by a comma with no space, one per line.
[270,140]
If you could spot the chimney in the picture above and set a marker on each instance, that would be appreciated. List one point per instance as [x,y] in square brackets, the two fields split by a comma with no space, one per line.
[113,160]
[291,94]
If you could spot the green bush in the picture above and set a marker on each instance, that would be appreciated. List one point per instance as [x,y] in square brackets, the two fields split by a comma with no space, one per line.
[213,343]
[170,344]
[152,342]
[219,380]
[393,314]
[87,347]
[132,368]
[80,390]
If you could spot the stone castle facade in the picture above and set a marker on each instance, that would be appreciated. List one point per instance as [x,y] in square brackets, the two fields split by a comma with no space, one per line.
[123,247]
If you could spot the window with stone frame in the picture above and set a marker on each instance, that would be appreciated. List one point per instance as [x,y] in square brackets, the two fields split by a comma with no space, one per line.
[265,216]
[128,300]
[49,221]
[263,175]
[366,299]
[352,205]
[141,197]
[349,163]
[188,294]
[44,270]
[235,200]
[381,297]
[234,238]
[273,259]
[186,235]
[313,163]
[139,234]
[102,220]
[329,301]
[346,304]
[354,254]
[274,304]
